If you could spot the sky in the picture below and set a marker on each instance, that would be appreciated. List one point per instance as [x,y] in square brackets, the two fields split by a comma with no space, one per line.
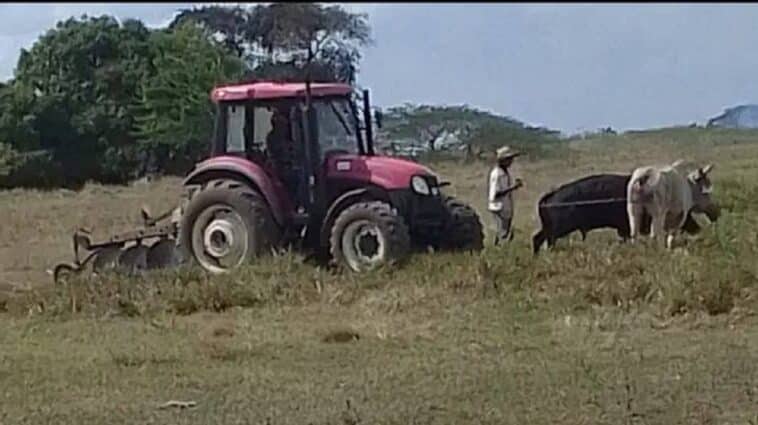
[572,67]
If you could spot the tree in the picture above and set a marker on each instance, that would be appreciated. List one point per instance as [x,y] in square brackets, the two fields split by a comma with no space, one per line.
[472,127]
[284,40]
[175,113]
[533,141]
[74,90]
[423,123]
[427,123]
[228,22]
[302,34]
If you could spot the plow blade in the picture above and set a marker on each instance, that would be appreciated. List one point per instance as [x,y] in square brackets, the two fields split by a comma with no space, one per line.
[106,258]
[163,254]
[133,260]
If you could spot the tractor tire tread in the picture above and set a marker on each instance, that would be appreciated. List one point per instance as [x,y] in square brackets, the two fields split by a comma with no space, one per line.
[464,232]
[254,210]
[396,230]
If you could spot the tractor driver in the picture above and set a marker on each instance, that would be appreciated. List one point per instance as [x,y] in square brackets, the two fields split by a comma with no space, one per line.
[284,153]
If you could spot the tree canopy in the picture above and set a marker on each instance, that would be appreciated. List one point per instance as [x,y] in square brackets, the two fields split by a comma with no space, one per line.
[103,99]
[427,124]
[74,90]
[287,40]
[175,116]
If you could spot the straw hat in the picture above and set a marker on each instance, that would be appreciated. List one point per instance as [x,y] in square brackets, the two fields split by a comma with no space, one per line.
[506,152]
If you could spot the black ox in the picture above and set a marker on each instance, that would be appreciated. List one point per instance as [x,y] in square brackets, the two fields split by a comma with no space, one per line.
[593,202]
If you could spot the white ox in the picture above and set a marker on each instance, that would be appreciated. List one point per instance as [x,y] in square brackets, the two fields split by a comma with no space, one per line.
[668,195]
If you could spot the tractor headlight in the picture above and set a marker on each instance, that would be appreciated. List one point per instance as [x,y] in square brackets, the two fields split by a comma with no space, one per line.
[420,185]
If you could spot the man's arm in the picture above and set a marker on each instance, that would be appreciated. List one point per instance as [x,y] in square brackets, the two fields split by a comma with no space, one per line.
[504,192]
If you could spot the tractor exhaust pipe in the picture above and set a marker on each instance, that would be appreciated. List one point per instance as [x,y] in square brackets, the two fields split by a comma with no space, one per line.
[368,123]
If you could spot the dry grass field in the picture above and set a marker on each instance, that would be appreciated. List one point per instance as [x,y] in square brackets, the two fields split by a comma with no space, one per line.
[593,332]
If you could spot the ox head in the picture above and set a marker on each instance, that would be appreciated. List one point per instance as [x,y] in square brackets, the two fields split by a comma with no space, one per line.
[701,186]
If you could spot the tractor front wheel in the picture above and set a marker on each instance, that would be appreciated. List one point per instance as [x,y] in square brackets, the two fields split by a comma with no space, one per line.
[369,234]
[464,231]
[226,224]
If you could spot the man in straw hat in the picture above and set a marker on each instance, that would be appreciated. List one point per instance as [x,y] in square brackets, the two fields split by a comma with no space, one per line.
[500,195]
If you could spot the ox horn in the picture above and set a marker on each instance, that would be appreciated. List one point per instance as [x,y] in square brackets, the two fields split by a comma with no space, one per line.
[707,169]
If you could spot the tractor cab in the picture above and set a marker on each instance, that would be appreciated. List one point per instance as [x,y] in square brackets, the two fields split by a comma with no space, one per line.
[266,123]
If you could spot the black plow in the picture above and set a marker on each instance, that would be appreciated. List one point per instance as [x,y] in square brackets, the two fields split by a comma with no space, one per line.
[153,246]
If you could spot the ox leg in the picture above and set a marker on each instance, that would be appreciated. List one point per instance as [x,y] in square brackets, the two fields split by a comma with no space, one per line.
[537,240]
[682,220]
[635,212]
[658,224]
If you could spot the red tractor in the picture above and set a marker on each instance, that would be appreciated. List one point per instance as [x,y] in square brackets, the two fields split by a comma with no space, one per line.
[292,165]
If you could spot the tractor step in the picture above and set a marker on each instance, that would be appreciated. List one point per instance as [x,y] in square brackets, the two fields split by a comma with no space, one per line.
[300,219]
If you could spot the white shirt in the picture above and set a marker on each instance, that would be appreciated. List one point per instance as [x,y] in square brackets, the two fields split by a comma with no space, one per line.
[499,181]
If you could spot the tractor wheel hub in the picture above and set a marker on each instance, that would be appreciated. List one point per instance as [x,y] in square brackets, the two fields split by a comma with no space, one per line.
[367,243]
[218,238]
[363,245]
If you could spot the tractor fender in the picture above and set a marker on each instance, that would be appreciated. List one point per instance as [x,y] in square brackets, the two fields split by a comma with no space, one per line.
[343,201]
[242,170]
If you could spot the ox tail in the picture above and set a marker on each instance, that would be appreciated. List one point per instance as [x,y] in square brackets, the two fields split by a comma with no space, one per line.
[638,187]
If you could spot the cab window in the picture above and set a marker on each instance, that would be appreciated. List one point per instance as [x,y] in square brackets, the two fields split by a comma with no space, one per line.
[235,129]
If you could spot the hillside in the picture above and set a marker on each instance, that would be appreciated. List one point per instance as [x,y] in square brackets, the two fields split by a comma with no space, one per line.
[742,116]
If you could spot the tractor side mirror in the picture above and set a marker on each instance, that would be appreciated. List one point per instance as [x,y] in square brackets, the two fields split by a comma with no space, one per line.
[378,115]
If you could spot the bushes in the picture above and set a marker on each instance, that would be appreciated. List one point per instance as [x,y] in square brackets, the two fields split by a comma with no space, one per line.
[7,159]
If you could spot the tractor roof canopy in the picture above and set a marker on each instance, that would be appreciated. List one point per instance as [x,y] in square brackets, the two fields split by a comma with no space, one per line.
[263,90]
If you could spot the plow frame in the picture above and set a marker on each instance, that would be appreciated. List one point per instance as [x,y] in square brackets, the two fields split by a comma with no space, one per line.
[82,240]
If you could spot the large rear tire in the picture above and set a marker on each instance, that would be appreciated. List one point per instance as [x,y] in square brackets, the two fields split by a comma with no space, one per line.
[369,234]
[225,224]
[464,231]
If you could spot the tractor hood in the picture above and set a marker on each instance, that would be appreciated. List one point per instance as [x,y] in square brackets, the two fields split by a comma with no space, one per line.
[394,172]
[386,172]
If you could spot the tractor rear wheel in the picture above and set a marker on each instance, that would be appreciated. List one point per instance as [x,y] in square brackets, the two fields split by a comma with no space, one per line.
[225,224]
[369,234]
[464,231]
